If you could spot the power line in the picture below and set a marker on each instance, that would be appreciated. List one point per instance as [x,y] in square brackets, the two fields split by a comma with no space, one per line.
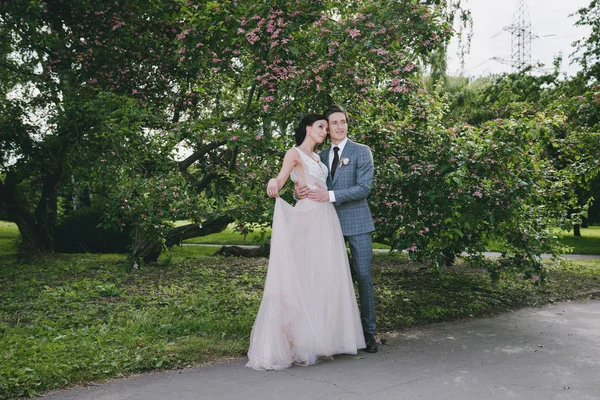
[520,39]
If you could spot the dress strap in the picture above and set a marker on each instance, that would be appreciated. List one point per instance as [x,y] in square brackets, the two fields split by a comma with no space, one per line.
[304,155]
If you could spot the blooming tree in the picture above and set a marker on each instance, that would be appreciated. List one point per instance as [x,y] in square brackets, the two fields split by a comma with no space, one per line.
[121,87]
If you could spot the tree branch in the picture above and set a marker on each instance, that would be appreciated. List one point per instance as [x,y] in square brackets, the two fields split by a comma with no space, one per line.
[180,233]
[234,157]
[248,104]
[250,96]
[183,165]
[203,184]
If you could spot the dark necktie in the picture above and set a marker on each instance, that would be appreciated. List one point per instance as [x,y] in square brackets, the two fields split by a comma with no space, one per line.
[336,160]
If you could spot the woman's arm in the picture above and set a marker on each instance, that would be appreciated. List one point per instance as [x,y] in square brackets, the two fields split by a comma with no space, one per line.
[291,159]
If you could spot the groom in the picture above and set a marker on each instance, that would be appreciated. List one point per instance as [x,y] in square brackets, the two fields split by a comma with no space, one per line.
[349,183]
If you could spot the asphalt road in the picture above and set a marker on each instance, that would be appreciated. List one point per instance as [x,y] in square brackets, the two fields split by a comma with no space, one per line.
[544,353]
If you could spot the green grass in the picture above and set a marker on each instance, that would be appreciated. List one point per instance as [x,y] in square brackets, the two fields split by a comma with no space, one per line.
[8,234]
[232,237]
[70,319]
[588,243]
[76,318]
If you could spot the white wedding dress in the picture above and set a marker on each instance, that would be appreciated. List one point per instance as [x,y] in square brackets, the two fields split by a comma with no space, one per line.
[309,307]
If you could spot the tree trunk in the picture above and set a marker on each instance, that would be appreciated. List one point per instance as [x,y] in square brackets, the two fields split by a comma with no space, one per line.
[577,230]
[37,231]
[449,257]
[148,249]
[584,223]
[45,212]
[237,251]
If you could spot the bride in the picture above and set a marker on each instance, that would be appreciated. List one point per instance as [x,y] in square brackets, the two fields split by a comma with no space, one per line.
[309,307]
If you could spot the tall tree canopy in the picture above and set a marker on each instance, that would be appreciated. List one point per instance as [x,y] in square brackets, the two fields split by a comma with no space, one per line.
[106,94]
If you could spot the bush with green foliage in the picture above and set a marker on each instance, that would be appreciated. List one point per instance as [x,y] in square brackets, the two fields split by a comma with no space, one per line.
[82,232]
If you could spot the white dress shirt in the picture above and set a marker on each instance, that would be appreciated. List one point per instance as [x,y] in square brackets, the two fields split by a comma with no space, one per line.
[341,146]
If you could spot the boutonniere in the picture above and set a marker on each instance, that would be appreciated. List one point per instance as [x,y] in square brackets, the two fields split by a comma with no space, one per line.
[344,161]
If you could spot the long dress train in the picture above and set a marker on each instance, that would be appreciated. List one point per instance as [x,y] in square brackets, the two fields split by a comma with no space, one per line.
[309,307]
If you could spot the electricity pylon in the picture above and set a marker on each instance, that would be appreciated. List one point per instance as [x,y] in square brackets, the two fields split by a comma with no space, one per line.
[520,39]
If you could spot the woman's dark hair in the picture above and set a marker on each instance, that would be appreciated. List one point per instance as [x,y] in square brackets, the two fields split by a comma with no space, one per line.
[309,120]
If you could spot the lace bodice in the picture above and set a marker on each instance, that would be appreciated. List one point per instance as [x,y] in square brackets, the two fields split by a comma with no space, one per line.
[315,171]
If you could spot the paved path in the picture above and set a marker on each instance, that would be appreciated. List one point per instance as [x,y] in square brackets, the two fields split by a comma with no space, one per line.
[537,353]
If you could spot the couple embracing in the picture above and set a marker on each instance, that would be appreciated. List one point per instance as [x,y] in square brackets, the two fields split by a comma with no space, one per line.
[309,307]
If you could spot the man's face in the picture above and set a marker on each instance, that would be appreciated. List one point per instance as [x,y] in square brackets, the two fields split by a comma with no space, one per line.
[338,127]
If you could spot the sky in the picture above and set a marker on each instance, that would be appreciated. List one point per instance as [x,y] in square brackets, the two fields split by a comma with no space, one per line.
[550,21]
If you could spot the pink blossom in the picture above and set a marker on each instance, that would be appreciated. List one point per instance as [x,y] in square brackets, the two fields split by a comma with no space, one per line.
[412,248]
[535,278]
[233,138]
[409,67]
[252,37]
[354,33]
[400,88]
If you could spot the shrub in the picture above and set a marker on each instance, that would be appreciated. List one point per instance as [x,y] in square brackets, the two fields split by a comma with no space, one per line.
[80,232]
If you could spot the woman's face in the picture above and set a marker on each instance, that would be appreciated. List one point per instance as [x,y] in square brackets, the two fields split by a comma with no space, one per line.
[318,131]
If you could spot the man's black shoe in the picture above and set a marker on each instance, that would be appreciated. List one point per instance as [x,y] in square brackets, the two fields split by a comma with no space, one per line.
[371,343]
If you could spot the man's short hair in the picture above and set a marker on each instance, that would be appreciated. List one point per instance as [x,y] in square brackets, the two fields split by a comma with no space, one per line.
[335,108]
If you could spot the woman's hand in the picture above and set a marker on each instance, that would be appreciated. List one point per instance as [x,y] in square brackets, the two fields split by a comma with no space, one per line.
[273,188]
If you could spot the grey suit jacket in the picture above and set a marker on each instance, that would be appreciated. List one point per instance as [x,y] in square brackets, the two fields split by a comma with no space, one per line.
[351,187]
